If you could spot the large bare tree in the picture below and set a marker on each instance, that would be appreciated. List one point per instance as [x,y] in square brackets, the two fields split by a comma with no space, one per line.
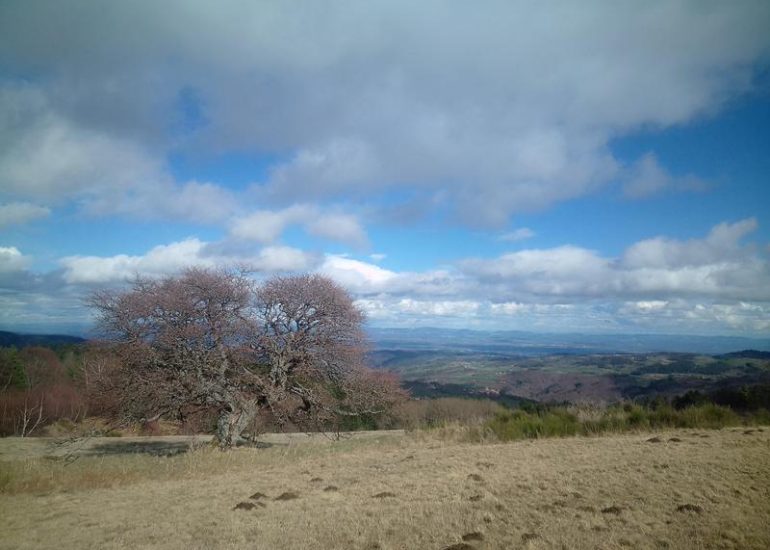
[292,347]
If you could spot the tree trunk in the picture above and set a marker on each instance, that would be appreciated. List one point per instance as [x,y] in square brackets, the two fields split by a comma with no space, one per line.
[233,422]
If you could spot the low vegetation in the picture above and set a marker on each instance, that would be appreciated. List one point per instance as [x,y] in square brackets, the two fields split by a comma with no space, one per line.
[585,420]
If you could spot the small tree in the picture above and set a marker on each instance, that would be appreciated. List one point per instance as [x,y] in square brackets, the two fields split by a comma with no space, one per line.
[214,339]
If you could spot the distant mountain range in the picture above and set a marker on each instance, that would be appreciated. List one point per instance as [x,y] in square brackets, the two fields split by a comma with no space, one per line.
[528,344]
[504,343]
[8,339]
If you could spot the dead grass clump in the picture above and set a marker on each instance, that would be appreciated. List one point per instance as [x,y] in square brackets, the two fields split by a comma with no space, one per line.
[689,508]
[288,495]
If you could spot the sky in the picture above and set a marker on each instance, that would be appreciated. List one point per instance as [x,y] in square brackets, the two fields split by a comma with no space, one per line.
[547,166]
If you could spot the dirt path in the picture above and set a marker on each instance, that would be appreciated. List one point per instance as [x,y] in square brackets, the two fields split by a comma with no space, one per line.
[16,448]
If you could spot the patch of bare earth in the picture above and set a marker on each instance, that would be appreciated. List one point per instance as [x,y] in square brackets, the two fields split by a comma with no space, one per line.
[605,492]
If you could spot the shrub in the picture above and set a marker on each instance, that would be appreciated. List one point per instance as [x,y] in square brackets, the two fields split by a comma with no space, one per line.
[432,413]
[709,416]
[519,424]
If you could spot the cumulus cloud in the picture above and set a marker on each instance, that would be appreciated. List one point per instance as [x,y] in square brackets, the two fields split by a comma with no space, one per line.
[699,284]
[12,260]
[160,260]
[357,275]
[48,157]
[338,227]
[21,212]
[174,257]
[716,283]
[722,244]
[718,265]
[266,226]
[565,270]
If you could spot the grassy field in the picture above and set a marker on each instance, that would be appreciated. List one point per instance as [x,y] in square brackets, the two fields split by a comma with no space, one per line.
[672,489]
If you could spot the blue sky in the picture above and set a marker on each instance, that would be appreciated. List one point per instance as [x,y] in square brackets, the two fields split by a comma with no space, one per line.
[593,166]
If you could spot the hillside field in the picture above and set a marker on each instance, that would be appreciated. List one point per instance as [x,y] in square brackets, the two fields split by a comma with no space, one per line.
[419,490]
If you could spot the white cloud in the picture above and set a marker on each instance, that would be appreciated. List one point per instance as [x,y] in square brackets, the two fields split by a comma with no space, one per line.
[267,226]
[338,227]
[647,177]
[12,260]
[174,257]
[709,285]
[281,258]
[46,156]
[356,275]
[520,234]
[160,260]
[21,212]
[557,271]
[718,266]
[721,245]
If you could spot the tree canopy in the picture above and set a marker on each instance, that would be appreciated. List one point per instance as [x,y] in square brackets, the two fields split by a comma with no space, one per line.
[291,347]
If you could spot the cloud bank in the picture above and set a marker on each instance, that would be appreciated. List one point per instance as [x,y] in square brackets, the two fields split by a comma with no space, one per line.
[715,283]
[490,110]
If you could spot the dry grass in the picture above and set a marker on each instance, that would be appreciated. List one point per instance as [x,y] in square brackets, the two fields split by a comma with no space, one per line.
[710,489]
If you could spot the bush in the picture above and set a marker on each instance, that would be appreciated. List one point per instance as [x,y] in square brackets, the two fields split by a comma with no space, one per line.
[709,416]
[433,413]
[511,425]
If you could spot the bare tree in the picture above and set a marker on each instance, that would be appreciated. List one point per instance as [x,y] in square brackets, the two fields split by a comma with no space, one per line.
[213,339]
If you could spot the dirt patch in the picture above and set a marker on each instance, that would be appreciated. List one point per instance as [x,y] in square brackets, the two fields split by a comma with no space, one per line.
[689,508]
[655,440]
[473,536]
[459,546]
[245,506]
[384,494]
[674,440]
[258,496]
[331,488]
